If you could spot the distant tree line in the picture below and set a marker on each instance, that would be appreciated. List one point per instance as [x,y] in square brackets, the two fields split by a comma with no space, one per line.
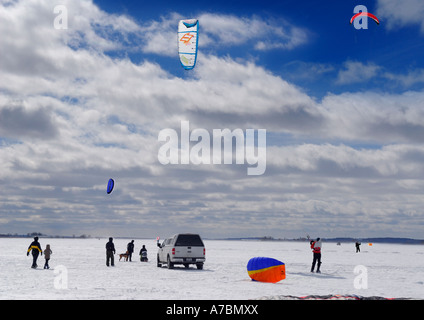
[39,234]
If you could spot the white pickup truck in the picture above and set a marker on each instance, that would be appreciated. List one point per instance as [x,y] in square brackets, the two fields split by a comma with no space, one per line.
[185,249]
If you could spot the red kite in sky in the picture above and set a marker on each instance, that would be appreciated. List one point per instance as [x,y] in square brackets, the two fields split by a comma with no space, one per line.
[364,14]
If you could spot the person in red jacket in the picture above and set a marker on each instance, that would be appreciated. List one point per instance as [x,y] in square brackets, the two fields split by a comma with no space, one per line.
[316,249]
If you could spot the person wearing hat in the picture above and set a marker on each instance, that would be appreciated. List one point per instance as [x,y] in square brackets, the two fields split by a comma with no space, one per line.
[316,249]
[35,249]
[130,249]
[110,251]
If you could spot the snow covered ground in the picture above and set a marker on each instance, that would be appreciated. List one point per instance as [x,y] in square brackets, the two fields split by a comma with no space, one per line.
[78,271]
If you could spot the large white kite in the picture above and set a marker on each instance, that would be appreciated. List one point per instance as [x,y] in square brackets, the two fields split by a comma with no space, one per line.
[187,42]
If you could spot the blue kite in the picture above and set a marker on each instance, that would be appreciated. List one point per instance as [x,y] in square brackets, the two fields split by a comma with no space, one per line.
[110,186]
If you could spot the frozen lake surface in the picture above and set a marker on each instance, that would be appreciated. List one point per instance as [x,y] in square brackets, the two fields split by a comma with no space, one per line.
[78,271]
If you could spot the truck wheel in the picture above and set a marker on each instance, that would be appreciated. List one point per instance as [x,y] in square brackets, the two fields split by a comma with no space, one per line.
[158,263]
[170,264]
[199,266]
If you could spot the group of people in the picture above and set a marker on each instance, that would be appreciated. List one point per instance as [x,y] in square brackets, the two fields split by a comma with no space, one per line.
[36,250]
[110,251]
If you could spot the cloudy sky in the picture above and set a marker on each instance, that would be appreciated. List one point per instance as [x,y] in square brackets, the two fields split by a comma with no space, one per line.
[86,87]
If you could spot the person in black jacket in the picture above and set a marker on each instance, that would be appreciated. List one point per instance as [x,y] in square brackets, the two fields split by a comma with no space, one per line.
[110,251]
[35,249]
[143,254]
[357,244]
[130,249]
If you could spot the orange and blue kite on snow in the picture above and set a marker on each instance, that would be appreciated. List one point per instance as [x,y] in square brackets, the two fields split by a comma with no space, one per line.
[266,269]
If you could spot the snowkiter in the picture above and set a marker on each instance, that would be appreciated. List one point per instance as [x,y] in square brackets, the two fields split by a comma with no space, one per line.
[110,251]
[357,244]
[35,249]
[130,249]
[47,253]
[316,249]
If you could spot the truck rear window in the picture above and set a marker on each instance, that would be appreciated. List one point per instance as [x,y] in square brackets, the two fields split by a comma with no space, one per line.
[189,240]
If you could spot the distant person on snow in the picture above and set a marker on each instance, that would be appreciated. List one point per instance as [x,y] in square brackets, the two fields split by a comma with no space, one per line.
[316,249]
[143,254]
[35,249]
[357,244]
[47,253]
[130,249]
[110,251]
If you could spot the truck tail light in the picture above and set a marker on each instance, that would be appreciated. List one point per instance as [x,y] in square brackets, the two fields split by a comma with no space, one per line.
[173,251]
[204,251]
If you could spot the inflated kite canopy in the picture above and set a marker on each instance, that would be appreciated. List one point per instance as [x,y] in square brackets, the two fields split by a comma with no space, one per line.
[187,42]
[110,186]
[365,14]
[266,269]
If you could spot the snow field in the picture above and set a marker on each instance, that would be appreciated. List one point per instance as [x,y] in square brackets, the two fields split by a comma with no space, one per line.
[78,271]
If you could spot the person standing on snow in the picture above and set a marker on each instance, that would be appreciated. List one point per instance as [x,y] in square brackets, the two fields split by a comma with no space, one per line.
[110,251]
[316,249]
[130,249]
[35,249]
[357,244]
[47,253]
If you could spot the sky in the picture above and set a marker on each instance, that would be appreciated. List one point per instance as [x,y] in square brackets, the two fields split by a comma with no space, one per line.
[88,87]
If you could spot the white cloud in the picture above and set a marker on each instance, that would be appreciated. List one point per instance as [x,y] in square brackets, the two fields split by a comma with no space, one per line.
[329,161]
[219,30]
[355,72]
[400,13]
[358,72]
[266,34]
[308,70]
[227,29]
[406,80]
[375,117]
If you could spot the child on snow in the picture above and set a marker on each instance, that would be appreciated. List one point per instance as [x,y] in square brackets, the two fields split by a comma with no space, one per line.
[47,253]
